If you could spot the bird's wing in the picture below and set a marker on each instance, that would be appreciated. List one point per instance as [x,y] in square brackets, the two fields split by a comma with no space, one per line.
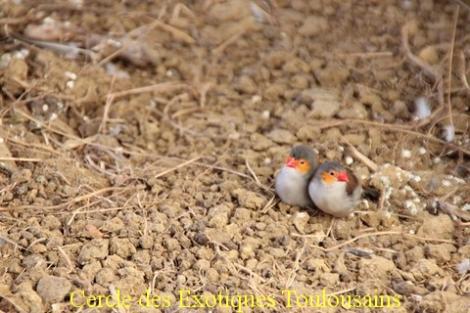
[352,182]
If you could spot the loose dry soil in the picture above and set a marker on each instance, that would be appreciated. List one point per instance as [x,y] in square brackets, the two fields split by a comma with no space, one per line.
[139,149]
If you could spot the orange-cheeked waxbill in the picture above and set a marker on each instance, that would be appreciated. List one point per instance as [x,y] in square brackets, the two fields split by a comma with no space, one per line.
[294,176]
[335,189]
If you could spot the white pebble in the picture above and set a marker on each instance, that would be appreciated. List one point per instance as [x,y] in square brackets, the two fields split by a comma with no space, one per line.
[266,114]
[448,133]
[411,207]
[2,140]
[70,84]
[436,160]
[422,109]
[70,75]
[463,267]
[45,107]
[234,136]
[114,43]
[466,207]
[152,104]
[405,153]
[5,60]
[446,183]
[416,298]
[21,54]
[407,4]
[385,180]
[48,20]
[411,232]
[255,99]
[341,148]
[53,117]
[422,150]
[417,178]
[267,161]
[348,160]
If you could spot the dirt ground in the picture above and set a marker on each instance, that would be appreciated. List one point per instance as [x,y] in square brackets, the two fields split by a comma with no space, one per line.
[139,142]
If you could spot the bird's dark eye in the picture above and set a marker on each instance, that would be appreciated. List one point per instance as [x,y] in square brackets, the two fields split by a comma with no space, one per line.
[302,162]
[332,173]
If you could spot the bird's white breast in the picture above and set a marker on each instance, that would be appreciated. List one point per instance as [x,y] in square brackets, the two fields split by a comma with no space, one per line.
[333,199]
[291,187]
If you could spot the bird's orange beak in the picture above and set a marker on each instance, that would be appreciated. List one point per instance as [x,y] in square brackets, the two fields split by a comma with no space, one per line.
[343,176]
[291,162]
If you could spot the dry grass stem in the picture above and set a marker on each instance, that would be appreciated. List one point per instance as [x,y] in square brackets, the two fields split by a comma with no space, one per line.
[451,59]
[361,157]
[157,88]
[177,167]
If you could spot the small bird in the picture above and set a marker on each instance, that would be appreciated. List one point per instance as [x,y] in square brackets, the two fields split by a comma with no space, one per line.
[334,189]
[292,180]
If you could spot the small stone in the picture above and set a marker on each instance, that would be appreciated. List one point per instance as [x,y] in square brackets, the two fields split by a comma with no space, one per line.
[218,216]
[325,103]
[426,268]
[171,244]
[95,249]
[317,265]
[300,221]
[313,25]
[30,300]
[260,142]
[405,153]
[53,289]
[122,247]
[146,242]
[202,265]
[440,226]
[212,275]
[440,252]
[429,55]
[246,85]
[105,276]
[354,110]
[308,132]
[281,136]
[249,199]
[243,215]
[113,225]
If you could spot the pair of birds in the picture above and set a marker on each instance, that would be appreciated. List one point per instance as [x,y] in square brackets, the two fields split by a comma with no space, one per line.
[329,187]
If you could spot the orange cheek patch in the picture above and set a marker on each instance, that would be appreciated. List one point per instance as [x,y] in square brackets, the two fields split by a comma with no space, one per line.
[303,168]
[327,178]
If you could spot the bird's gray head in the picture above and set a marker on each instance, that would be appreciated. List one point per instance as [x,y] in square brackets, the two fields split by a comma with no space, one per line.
[303,159]
[331,172]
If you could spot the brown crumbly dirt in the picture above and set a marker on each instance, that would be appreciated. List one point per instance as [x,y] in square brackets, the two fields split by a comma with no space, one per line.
[147,159]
